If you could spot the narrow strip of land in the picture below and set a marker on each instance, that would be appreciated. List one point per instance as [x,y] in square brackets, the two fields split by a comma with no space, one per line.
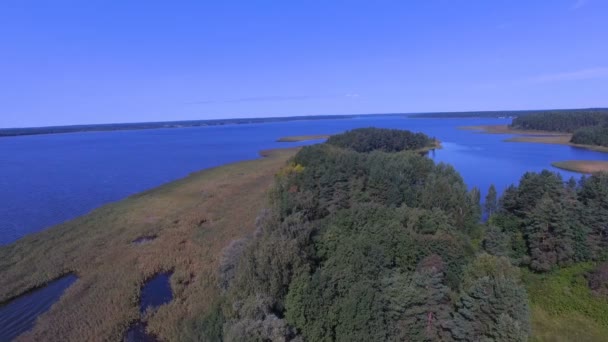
[296,138]
[582,166]
[436,145]
[192,220]
[532,136]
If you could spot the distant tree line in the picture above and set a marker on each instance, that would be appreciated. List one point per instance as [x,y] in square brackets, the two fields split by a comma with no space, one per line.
[499,114]
[595,135]
[9,132]
[589,127]
[561,121]
[368,246]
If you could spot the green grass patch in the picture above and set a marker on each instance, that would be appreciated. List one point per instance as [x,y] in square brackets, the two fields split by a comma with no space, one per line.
[564,308]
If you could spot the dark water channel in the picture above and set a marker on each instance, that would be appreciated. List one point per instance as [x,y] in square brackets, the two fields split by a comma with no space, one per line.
[19,315]
[156,292]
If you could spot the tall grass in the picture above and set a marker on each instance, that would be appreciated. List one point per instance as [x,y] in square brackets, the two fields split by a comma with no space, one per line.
[193,219]
[564,308]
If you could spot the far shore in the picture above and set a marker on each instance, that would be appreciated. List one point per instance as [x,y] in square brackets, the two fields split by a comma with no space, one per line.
[532,136]
[297,138]
[583,166]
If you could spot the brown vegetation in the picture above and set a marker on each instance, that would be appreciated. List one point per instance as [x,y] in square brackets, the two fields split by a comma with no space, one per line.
[542,137]
[582,166]
[192,219]
[296,138]
[435,146]
[505,129]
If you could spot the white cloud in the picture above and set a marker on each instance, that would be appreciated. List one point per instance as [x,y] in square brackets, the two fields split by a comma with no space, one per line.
[583,74]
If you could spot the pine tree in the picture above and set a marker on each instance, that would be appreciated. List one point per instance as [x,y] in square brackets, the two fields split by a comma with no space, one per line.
[549,236]
[491,203]
[419,305]
[493,304]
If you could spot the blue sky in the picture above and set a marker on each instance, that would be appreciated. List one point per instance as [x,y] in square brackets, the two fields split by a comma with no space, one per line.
[75,62]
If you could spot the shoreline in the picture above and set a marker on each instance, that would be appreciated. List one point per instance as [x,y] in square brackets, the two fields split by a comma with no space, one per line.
[193,219]
[436,146]
[299,138]
[582,166]
[530,136]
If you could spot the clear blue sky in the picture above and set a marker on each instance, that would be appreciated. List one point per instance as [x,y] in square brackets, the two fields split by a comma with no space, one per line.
[89,61]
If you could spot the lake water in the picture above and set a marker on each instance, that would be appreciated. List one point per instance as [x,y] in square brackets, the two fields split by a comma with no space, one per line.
[20,314]
[48,179]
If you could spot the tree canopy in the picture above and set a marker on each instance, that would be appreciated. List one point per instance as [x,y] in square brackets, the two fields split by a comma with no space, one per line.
[362,244]
[589,127]
[376,139]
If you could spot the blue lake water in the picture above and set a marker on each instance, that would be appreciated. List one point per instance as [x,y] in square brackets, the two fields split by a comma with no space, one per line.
[156,292]
[20,314]
[48,179]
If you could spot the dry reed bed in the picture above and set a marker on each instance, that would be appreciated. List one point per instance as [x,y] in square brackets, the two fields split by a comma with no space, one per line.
[296,138]
[193,219]
[531,136]
[583,166]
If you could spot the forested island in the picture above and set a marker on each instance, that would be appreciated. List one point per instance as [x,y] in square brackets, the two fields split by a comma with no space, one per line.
[366,241]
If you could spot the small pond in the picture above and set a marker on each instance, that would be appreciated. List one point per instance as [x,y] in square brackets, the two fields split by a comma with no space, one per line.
[156,292]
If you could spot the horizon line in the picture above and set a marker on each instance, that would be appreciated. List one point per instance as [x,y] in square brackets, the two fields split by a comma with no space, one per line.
[295,117]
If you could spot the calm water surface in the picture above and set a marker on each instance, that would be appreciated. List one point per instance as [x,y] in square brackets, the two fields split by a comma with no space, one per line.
[20,314]
[156,292]
[48,179]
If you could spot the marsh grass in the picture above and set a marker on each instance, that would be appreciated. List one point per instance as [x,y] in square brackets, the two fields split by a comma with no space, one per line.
[530,136]
[296,138]
[564,308]
[583,166]
[192,219]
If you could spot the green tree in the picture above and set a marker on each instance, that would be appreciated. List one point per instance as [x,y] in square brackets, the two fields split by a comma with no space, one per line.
[491,202]
[493,304]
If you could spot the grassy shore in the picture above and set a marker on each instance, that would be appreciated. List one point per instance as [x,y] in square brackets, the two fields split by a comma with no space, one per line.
[193,219]
[296,138]
[563,307]
[541,137]
[582,166]
[434,146]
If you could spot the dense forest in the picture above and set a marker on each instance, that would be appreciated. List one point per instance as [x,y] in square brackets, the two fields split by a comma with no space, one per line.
[386,140]
[589,127]
[367,241]
[501,113]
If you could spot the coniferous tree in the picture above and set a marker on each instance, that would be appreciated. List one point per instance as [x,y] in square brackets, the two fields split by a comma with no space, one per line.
[491,203]
[493,304]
